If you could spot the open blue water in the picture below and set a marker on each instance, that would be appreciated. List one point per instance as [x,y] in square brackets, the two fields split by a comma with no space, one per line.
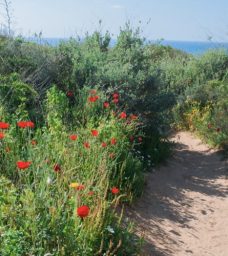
[195,48]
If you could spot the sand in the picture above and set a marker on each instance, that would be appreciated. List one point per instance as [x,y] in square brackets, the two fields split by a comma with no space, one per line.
[184,208]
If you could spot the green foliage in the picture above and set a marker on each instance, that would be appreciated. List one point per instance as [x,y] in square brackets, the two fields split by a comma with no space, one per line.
[35,64]
[52,87]
[38,213]
[14,92]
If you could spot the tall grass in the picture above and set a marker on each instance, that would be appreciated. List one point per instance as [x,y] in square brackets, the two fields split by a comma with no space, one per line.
[39,203]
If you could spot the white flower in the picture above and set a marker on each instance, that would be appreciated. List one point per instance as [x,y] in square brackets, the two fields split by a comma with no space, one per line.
[110,229]
[49,181]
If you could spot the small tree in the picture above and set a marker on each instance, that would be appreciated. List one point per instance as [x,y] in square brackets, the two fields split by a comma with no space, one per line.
[6,27]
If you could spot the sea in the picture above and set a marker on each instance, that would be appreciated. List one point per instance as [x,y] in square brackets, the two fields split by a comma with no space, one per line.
[195,48]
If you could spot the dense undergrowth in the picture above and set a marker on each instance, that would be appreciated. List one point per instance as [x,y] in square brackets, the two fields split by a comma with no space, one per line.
[81,122]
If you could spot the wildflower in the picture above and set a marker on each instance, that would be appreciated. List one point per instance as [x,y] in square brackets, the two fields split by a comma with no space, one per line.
[22,124]
[70,94]
[113,141]
[57,168]
[110,229]
[23,165]
[115,190]
[49,181]
[4,125]
[1,135]
[77,186]
[123,115]
[131,138]
[25,124]
[30,124]
[94,133]
[90,193]
[83,211]
[74,185]
[133,117]
[115,95]
[104,145]
[218,129]
[80,187]
[91,99]
[86,145]
[33,142]
[106,104]
[115,101]
[73,137]
[140,139]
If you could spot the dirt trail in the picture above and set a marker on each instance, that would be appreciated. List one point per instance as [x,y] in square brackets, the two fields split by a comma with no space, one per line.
[184,209]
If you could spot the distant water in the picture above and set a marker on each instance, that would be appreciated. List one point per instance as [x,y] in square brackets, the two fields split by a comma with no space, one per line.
[195,48]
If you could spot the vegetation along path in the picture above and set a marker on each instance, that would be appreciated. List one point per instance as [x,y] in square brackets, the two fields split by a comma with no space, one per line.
[184,210]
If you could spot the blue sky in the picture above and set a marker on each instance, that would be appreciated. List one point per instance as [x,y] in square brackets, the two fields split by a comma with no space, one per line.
[193,20]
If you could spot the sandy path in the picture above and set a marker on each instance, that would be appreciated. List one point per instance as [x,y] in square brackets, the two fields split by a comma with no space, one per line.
[184,209]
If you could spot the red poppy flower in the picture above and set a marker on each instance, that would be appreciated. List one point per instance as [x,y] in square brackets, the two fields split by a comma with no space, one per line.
[86,145]
[140,139]
[23,165]
[115,95]
[70,94]
[80,187]
[90,193]
[22,124]
[73,137]
[115,190]
[123,115]
[133,117]
[218,129]
[131,138]
[113,141]
[106,104]
[33,142]
[93,98]
[115,101]
[94,133]
[25,124]
[4,125]
[30,124]
[57,168]
[1,135]
[83,211]
[104,145]
[93,92]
